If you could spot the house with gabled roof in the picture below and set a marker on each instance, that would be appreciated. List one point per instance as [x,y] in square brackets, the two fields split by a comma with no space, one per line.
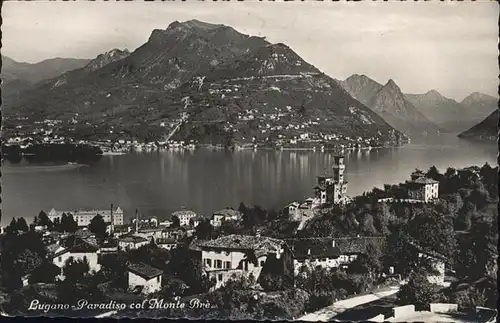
[329,252]
[79,250]
[223,215]
[144,277]
[129,242]
[422,188]
[243,255]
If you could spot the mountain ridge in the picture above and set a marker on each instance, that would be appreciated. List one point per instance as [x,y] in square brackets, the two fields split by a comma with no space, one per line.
[390,103]
[222,80]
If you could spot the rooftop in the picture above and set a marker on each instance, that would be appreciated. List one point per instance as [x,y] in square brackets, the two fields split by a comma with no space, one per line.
[181,213]
[229,213]
[303,249]
[425,180]
[324,246]
[261,245]
[144,270]
[134,239]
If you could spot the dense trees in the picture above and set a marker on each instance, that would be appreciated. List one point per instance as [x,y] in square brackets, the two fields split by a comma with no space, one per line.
[75,270]
[418,291]
[98,227]
[68,223]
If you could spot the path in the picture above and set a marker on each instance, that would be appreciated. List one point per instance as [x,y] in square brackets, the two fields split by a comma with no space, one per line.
[327,313]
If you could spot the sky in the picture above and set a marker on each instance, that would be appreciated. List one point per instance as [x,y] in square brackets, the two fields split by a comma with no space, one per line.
[451,47]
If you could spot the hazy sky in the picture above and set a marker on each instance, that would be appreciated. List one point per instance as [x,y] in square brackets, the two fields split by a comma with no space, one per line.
[450,46]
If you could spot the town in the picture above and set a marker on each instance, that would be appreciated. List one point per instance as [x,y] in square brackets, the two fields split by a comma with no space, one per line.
[400,241]
[271,132]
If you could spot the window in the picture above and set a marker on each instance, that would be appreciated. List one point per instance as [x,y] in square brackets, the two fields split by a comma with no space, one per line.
[262,262]
[158,279]
[59,259]
[228,265]
[218,263]
[208,262]
[219,277]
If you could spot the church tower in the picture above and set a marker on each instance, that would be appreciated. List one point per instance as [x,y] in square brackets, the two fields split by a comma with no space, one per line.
[332,188]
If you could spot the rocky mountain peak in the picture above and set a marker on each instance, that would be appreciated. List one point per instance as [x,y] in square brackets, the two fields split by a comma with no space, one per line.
[106,58]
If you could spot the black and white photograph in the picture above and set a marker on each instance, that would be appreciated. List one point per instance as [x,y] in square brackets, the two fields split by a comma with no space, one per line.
[250,160]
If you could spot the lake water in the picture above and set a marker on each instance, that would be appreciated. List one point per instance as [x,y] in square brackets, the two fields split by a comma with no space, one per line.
[159,183]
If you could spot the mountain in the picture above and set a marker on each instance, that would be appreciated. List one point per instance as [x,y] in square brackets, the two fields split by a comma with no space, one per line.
[485,130]
[390,103]
[272,92]
[168,59]
[480,105]
[446,113]
[362,87]
[105,59]
[18,76]
[451,115]
[232,87]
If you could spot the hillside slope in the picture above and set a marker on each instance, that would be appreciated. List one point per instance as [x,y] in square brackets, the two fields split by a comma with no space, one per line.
[485,130]
[226,86]
[17,76]
[390,103]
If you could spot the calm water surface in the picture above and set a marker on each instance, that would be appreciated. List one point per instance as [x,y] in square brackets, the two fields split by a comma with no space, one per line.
[159,183]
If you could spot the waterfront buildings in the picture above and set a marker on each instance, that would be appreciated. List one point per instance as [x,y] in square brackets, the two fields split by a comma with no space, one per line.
[144,277]
[84,217]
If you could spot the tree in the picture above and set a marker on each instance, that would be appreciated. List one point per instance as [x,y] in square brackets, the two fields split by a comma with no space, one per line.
[45,273]
[22,225]
[27,261]
[368,263]
[418,291]
[12,227]
[68,223]
[98,227]
[75,271]
[44,220]
[176,222]
[189,270]
[204,230]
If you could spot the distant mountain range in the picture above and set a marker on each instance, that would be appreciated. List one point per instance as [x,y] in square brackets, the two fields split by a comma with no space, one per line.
[17,77]
[448,114]
[232,86]
[485,130]
[390,103]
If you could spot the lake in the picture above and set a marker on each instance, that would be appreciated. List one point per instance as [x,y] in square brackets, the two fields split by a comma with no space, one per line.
[203,180]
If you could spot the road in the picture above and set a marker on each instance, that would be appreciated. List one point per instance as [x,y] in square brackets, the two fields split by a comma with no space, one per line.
[327,313]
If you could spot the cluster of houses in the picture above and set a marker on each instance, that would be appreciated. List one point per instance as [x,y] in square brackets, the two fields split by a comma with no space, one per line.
[231,255]
[141,231]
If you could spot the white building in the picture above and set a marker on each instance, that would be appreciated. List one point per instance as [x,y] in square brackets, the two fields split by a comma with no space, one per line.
[83,217]
[168,244]
[423,189]
[329,252]
[238,255]
[80,250]
[145,277]
[225,215]
[132,242]
[184,216]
